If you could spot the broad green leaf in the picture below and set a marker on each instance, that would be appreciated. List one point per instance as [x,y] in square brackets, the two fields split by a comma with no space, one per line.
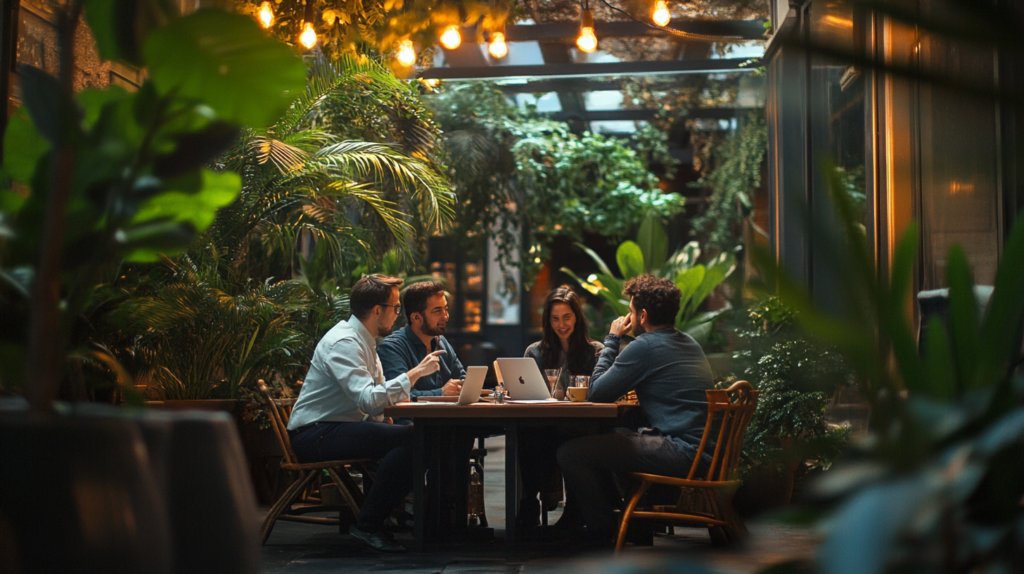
[1000,334]
[700,332]
[963,317]
[93,102]
[601,265]
[23,147]
[713,276]
[54,113]
[227,62]
[630,260]
[941,382]
[688,282]
[903,264]
[111,26]
[199,209]
[653,242]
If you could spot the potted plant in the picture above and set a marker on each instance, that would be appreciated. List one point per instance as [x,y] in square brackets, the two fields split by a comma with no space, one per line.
[797,379]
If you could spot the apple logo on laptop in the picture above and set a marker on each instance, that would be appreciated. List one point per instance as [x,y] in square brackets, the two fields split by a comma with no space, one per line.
[521,381]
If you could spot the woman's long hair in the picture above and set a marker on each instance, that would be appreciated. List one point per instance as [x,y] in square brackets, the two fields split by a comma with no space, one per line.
[581,353]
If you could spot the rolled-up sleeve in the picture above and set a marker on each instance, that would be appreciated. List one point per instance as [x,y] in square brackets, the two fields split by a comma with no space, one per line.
[358,385]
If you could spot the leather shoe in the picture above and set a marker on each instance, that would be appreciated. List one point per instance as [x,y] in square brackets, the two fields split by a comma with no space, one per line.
[376,539]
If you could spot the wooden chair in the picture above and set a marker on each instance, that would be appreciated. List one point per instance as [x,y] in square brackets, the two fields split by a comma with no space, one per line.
[712,504]
[284,508]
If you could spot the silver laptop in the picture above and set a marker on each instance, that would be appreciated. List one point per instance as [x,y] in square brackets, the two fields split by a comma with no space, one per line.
[472,386]
[522,379]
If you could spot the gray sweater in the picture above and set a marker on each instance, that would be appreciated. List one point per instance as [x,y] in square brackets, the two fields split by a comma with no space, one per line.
[669,372]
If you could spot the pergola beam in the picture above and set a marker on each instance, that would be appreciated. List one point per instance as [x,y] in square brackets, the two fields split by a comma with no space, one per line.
[636,115]
[737,30]
[703,66]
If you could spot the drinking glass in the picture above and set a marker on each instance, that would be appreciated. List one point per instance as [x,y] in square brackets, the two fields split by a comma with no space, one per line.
[581,381]
[552,376]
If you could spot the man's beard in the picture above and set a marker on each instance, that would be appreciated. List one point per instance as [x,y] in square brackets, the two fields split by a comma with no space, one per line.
[383,331]
[436,330]
[638,329]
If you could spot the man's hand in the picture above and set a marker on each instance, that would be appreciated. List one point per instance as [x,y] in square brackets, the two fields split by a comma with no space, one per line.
[452,388]
[428,366]
[621,326]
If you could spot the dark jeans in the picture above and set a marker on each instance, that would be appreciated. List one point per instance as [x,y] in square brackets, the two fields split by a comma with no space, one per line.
[393,444]
[588,463]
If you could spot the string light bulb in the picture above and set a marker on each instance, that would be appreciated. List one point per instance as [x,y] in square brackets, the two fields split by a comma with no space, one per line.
[587,40]
[498,48]
[661,15]
[308,36]
[406,53]
[266,15]
[451,38]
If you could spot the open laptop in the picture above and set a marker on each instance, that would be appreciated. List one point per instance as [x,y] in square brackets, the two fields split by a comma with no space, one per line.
[522,379]
[472,386]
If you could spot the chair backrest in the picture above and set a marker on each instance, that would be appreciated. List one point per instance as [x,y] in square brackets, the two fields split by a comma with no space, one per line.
[731,426]
[279,423]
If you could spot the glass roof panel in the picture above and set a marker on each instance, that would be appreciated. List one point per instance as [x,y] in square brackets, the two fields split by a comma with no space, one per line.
[546,103]
[603,100]
[616,126]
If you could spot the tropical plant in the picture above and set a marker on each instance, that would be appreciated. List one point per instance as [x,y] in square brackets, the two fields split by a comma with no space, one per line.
[648,255]
[112,175]
[304,184]
[732,181]
[797,379]
[937,485]
[513,170]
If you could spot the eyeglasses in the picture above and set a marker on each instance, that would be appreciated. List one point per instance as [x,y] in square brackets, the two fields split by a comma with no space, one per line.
[398,308]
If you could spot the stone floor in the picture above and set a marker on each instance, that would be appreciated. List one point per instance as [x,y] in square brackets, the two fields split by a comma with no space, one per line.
[309,549]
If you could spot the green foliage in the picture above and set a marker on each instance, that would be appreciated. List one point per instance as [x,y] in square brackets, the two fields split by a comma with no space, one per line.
[938,483]
[131,176]
[797,379]
[513,170]
[732,181]
[695,281]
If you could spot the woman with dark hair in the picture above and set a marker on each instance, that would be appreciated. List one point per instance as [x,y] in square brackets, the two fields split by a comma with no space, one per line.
[567,346]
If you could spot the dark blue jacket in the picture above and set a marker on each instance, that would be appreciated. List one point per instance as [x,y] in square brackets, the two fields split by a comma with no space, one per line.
[669,372]
[403,350]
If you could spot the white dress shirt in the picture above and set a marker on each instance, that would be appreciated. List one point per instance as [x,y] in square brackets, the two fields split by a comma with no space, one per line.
[346,382]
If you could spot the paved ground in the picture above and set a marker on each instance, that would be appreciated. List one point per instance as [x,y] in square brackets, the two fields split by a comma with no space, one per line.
[309,549]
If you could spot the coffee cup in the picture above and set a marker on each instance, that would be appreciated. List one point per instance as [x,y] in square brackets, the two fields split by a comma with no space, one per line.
[577,394]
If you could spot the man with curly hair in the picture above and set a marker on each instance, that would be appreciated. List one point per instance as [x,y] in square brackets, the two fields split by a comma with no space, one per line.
[669,372]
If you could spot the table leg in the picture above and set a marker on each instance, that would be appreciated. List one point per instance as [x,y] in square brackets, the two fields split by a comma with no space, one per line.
[419,502]
[511,485]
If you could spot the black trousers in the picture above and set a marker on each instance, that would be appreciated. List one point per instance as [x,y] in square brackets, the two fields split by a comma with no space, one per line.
[393,444]
[588,463]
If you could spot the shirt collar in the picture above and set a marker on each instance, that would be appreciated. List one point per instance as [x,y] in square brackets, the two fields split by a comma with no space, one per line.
[361,329]
[413,339]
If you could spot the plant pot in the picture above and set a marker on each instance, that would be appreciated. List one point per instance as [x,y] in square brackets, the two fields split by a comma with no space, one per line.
[77,494]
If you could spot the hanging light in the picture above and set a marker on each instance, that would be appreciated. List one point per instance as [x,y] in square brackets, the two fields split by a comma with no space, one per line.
[406,54]
[587,40]
[451,38]
[661,15]
[308,36]
[498,48]
[266,15]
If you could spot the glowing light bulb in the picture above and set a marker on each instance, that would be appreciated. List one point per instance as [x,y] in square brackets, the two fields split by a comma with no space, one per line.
[308,36]
[266,15]
[661,14]
[406,54]
[498,48]
[451,38]
[587,40]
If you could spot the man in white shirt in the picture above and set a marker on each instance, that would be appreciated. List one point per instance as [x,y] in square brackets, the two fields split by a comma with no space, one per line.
[339,416]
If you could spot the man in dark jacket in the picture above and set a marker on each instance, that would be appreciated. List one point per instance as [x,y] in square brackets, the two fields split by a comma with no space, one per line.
[426,308]
[669,372]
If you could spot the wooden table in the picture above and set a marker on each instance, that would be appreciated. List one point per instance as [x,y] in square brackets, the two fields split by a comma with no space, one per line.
[441,471]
